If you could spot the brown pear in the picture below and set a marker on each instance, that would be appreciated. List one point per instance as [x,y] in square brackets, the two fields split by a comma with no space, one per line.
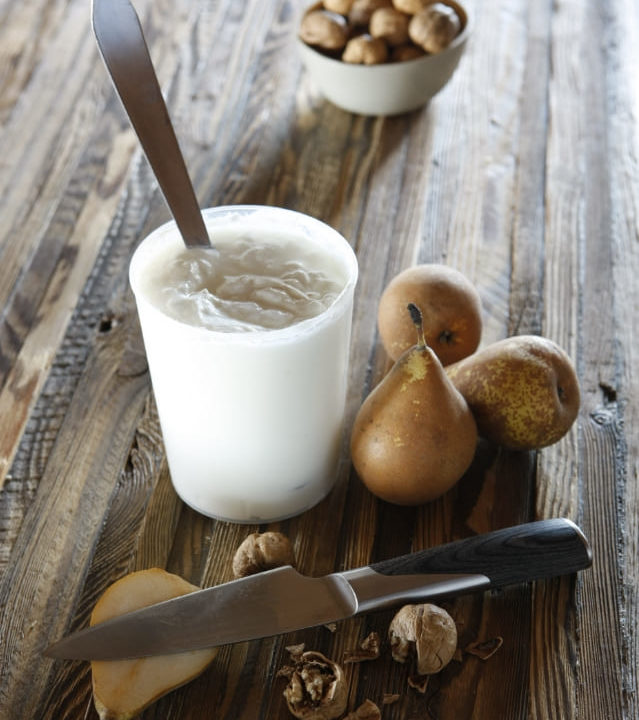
[414,436]
[523,391]
[123,688]
[449,303]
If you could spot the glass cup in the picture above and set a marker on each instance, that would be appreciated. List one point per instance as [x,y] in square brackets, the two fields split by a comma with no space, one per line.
[252,422]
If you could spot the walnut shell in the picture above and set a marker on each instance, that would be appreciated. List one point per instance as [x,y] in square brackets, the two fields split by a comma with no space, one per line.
[317,688]
[411,7]
[434,27]
[338,6]
[365,50]
[324,29]
[426,631]
[262,551]
[401,53]
[389,25]
[361,10]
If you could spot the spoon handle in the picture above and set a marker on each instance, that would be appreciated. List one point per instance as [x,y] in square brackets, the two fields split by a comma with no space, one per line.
[121,42]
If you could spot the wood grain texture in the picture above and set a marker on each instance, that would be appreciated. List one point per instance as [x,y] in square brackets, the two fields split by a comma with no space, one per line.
[523,173]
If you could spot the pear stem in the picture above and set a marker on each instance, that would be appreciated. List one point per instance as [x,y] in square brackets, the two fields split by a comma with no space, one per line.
[418,322]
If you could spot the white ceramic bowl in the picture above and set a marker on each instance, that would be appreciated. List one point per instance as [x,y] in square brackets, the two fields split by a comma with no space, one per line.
[389,88]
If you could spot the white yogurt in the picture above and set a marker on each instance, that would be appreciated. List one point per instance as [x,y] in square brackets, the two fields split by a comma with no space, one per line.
[248,349]
[244,284]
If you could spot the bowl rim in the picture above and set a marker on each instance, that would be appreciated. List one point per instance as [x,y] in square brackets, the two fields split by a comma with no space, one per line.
[459,39]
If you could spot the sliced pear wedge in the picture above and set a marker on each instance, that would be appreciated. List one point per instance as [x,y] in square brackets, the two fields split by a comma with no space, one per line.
[124,688]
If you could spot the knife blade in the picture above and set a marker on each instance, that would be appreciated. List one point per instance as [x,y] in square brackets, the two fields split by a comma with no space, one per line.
[282,600]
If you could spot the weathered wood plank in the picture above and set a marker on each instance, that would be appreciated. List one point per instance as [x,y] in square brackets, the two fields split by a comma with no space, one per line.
[59,529]
[32,362]
[582,255]
[39,155]
[522,173]
[623,144]
[552,642]
[26,30]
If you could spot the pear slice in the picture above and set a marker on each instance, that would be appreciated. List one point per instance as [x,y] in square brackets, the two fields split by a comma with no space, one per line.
[123,688]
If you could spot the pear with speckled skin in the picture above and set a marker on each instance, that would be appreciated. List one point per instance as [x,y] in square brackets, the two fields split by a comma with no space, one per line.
[414,436]
[523,391]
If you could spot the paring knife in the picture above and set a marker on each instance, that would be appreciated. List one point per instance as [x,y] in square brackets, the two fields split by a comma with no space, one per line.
[281,600]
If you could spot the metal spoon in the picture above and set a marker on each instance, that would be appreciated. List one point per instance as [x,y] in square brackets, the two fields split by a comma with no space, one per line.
[126,56]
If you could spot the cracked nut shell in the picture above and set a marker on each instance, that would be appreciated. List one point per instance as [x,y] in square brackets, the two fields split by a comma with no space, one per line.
[426,631]
[317,688]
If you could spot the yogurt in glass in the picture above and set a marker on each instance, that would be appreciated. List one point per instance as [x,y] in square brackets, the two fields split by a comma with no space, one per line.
[248,346]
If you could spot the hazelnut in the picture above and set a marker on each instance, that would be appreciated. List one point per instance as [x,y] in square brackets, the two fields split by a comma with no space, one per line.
[361,10]
[426,631]
[260,552]
[389,25]
[365,50]
[338,6]
[411,7]
[317,688]
[434,27]
[323,29]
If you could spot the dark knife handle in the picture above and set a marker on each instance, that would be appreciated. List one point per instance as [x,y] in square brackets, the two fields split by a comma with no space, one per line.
[531,551]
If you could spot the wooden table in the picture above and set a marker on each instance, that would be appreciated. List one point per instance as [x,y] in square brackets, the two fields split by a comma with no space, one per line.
[522,173]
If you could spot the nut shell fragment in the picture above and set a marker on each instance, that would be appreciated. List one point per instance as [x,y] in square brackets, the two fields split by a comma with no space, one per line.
[419,683]
[368,649]
[366,711]
[390,698]
[484,649]
[426,631]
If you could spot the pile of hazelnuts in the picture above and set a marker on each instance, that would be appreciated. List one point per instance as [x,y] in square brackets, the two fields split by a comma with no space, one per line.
[371,32]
